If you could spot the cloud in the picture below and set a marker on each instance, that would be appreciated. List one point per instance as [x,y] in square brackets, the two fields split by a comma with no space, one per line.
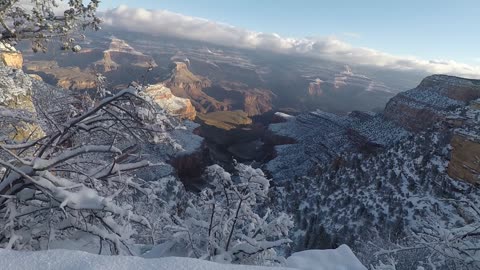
[331,48]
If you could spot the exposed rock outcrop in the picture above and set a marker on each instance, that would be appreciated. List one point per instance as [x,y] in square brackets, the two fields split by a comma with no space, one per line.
[465,155]
[315,88]
[253,101]
[72,78]
[465,159]
[120,53]
[430,102]
[185,84]
[11,59]
[163,96]
[36,77]
[17,110]
[443,104]
[222,96]
[226,120]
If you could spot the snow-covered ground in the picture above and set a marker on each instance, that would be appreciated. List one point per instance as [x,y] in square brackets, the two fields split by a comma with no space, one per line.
[341,258]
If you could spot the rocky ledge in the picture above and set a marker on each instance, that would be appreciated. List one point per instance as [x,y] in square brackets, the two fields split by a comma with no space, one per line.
[431,101]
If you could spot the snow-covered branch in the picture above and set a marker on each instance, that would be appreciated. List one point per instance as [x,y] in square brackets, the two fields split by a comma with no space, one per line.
[78,179]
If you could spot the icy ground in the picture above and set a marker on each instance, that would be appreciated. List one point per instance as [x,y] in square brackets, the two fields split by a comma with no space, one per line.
[338,259]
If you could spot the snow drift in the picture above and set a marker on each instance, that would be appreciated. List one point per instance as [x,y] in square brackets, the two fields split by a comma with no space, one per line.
[338,259]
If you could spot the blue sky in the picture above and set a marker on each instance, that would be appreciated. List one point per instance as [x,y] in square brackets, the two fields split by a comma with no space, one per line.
[441,29]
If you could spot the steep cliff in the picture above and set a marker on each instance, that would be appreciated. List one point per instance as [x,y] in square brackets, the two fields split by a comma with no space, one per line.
[208,97]
[18,117]
[465,160]
[320,137]
[185,84]
[253,101]
[163,96]
[431,101]
[315,88]
[121,54]
[465,155]
[379,178]
[439,102]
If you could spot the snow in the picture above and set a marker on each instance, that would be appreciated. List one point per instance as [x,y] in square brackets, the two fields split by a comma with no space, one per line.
[285,116]
[341,258]
[78,260]
[165,99]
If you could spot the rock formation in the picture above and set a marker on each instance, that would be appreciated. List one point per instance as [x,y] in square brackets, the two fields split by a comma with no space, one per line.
[430,102]
[11,59]
[439,103]
[72,78]
[17,110]
[465,155]
[465,158]
[315,88]
[185,84]
[226,120]
[163,96]
[223,96]
[253,101]
[121,54]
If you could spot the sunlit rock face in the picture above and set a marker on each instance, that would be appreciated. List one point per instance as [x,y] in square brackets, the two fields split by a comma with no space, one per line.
[17,110]
[465,162]
[185,84]
[315,88]
[465,144]
[208,97]
[72,78]
[420,108]
[11,59]
[163,96]
[120,53]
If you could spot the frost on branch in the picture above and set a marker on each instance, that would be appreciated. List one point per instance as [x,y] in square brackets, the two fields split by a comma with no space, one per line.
[80,177]
[229,220]
[42,20]
[457,247]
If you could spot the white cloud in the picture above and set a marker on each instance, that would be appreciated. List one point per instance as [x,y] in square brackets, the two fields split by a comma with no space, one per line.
[181,26]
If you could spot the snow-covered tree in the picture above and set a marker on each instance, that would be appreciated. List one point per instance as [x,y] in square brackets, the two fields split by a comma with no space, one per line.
[42,20]
[80,178]
[229,221]
[443,248]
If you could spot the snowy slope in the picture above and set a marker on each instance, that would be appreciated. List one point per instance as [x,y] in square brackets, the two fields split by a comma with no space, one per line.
[321,137]
[338,259]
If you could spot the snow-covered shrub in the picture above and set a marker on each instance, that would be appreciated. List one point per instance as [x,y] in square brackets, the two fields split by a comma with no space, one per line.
[41,20]
[229,221]
[79,180]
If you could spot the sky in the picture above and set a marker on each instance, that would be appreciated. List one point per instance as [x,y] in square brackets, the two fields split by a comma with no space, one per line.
[441,30]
